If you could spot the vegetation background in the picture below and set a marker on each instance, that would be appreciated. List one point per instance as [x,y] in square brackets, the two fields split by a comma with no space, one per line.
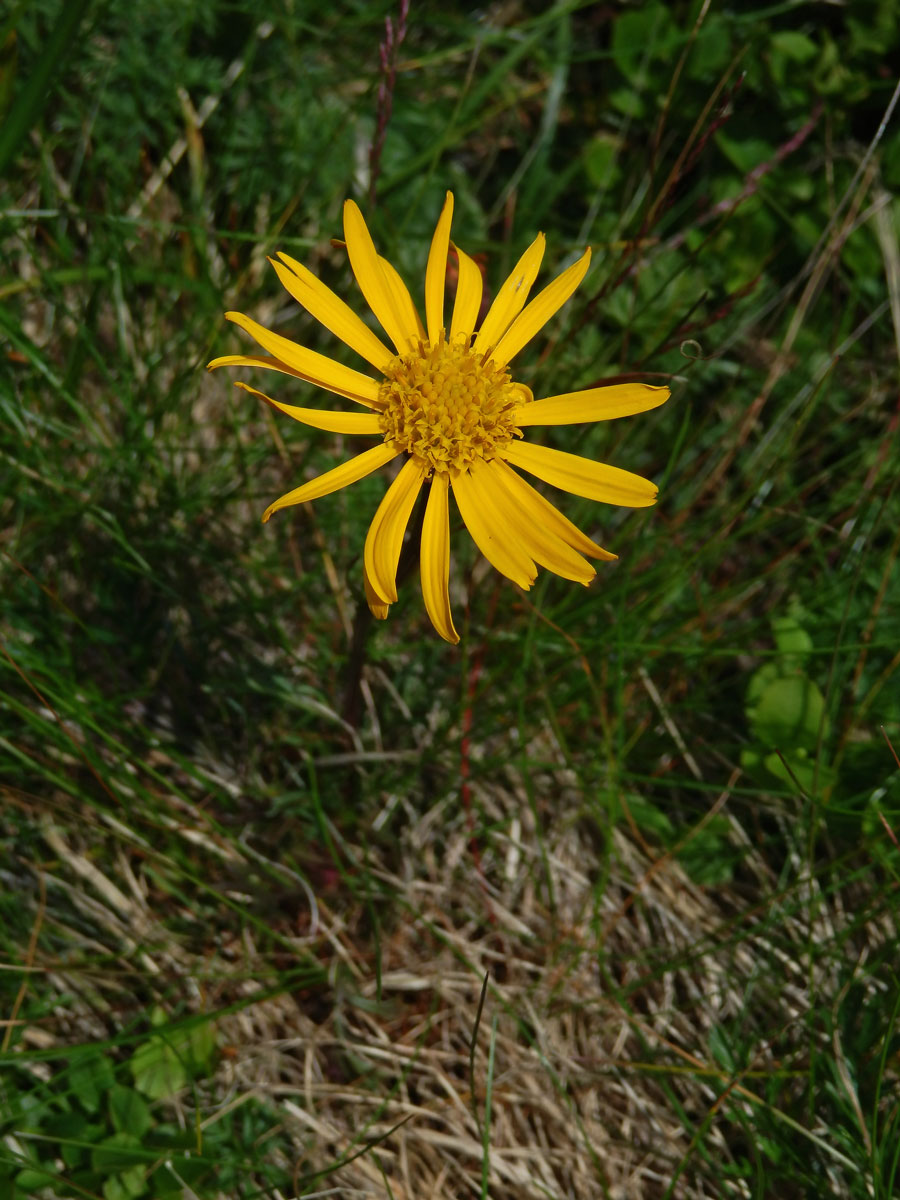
[245,941]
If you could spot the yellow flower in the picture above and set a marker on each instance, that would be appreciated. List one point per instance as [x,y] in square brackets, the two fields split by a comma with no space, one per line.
[443,398]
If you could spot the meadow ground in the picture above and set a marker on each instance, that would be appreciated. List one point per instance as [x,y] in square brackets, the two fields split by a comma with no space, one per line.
[601,902]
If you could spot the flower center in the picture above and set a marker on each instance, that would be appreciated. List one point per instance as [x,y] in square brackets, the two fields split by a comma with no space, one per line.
[446,406]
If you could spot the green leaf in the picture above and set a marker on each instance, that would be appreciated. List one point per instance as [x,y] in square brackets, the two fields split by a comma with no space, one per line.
[90,1077]
[69,1129]
[128,1111]
[712,50]
[795,767]
[709,857]
[162,1065]
[32,1179]
[789,713]
[745,153]
[187,1171]
[650,819]
[791,639]
[795,46]
[127,1186]
[600,159]
[158,1016]
[201,1046]
[641,34]
[761,679]
[117,1153]
[157,1069]
[752,760]
[627,102]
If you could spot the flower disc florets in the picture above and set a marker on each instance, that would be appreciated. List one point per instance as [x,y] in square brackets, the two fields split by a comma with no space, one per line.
[447,406]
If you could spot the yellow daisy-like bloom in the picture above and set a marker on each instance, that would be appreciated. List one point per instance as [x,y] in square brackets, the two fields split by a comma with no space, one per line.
[444,399]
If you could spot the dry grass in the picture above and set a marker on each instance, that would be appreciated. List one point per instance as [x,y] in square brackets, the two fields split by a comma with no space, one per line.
[597,1041]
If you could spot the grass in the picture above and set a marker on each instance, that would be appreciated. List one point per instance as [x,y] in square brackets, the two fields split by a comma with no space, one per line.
[243,944]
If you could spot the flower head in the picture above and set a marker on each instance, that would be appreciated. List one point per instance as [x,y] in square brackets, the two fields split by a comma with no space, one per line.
[443,399]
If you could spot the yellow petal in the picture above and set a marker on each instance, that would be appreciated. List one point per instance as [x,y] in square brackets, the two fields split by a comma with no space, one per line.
[593,404]
[490,531]
[436,272]
[385,537]
[314,368]
[376,605]
[582,476]
[540,510]
[469,289]
[333,422]
[534,537]
[347,473]
[412,322]
[248,360]
[331,311]
[512,296]
[435,559]
[370,277]
[545,305]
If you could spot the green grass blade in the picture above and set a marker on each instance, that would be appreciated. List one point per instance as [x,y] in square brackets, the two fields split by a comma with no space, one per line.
[38,89]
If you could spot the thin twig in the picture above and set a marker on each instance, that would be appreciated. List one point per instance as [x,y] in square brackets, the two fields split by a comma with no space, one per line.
[387,55]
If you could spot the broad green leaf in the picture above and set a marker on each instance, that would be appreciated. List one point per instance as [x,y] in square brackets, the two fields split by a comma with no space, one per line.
[157,1069]
[128,1185]
[128,1111]
[788,713]
[90,1077]
[163,1064]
